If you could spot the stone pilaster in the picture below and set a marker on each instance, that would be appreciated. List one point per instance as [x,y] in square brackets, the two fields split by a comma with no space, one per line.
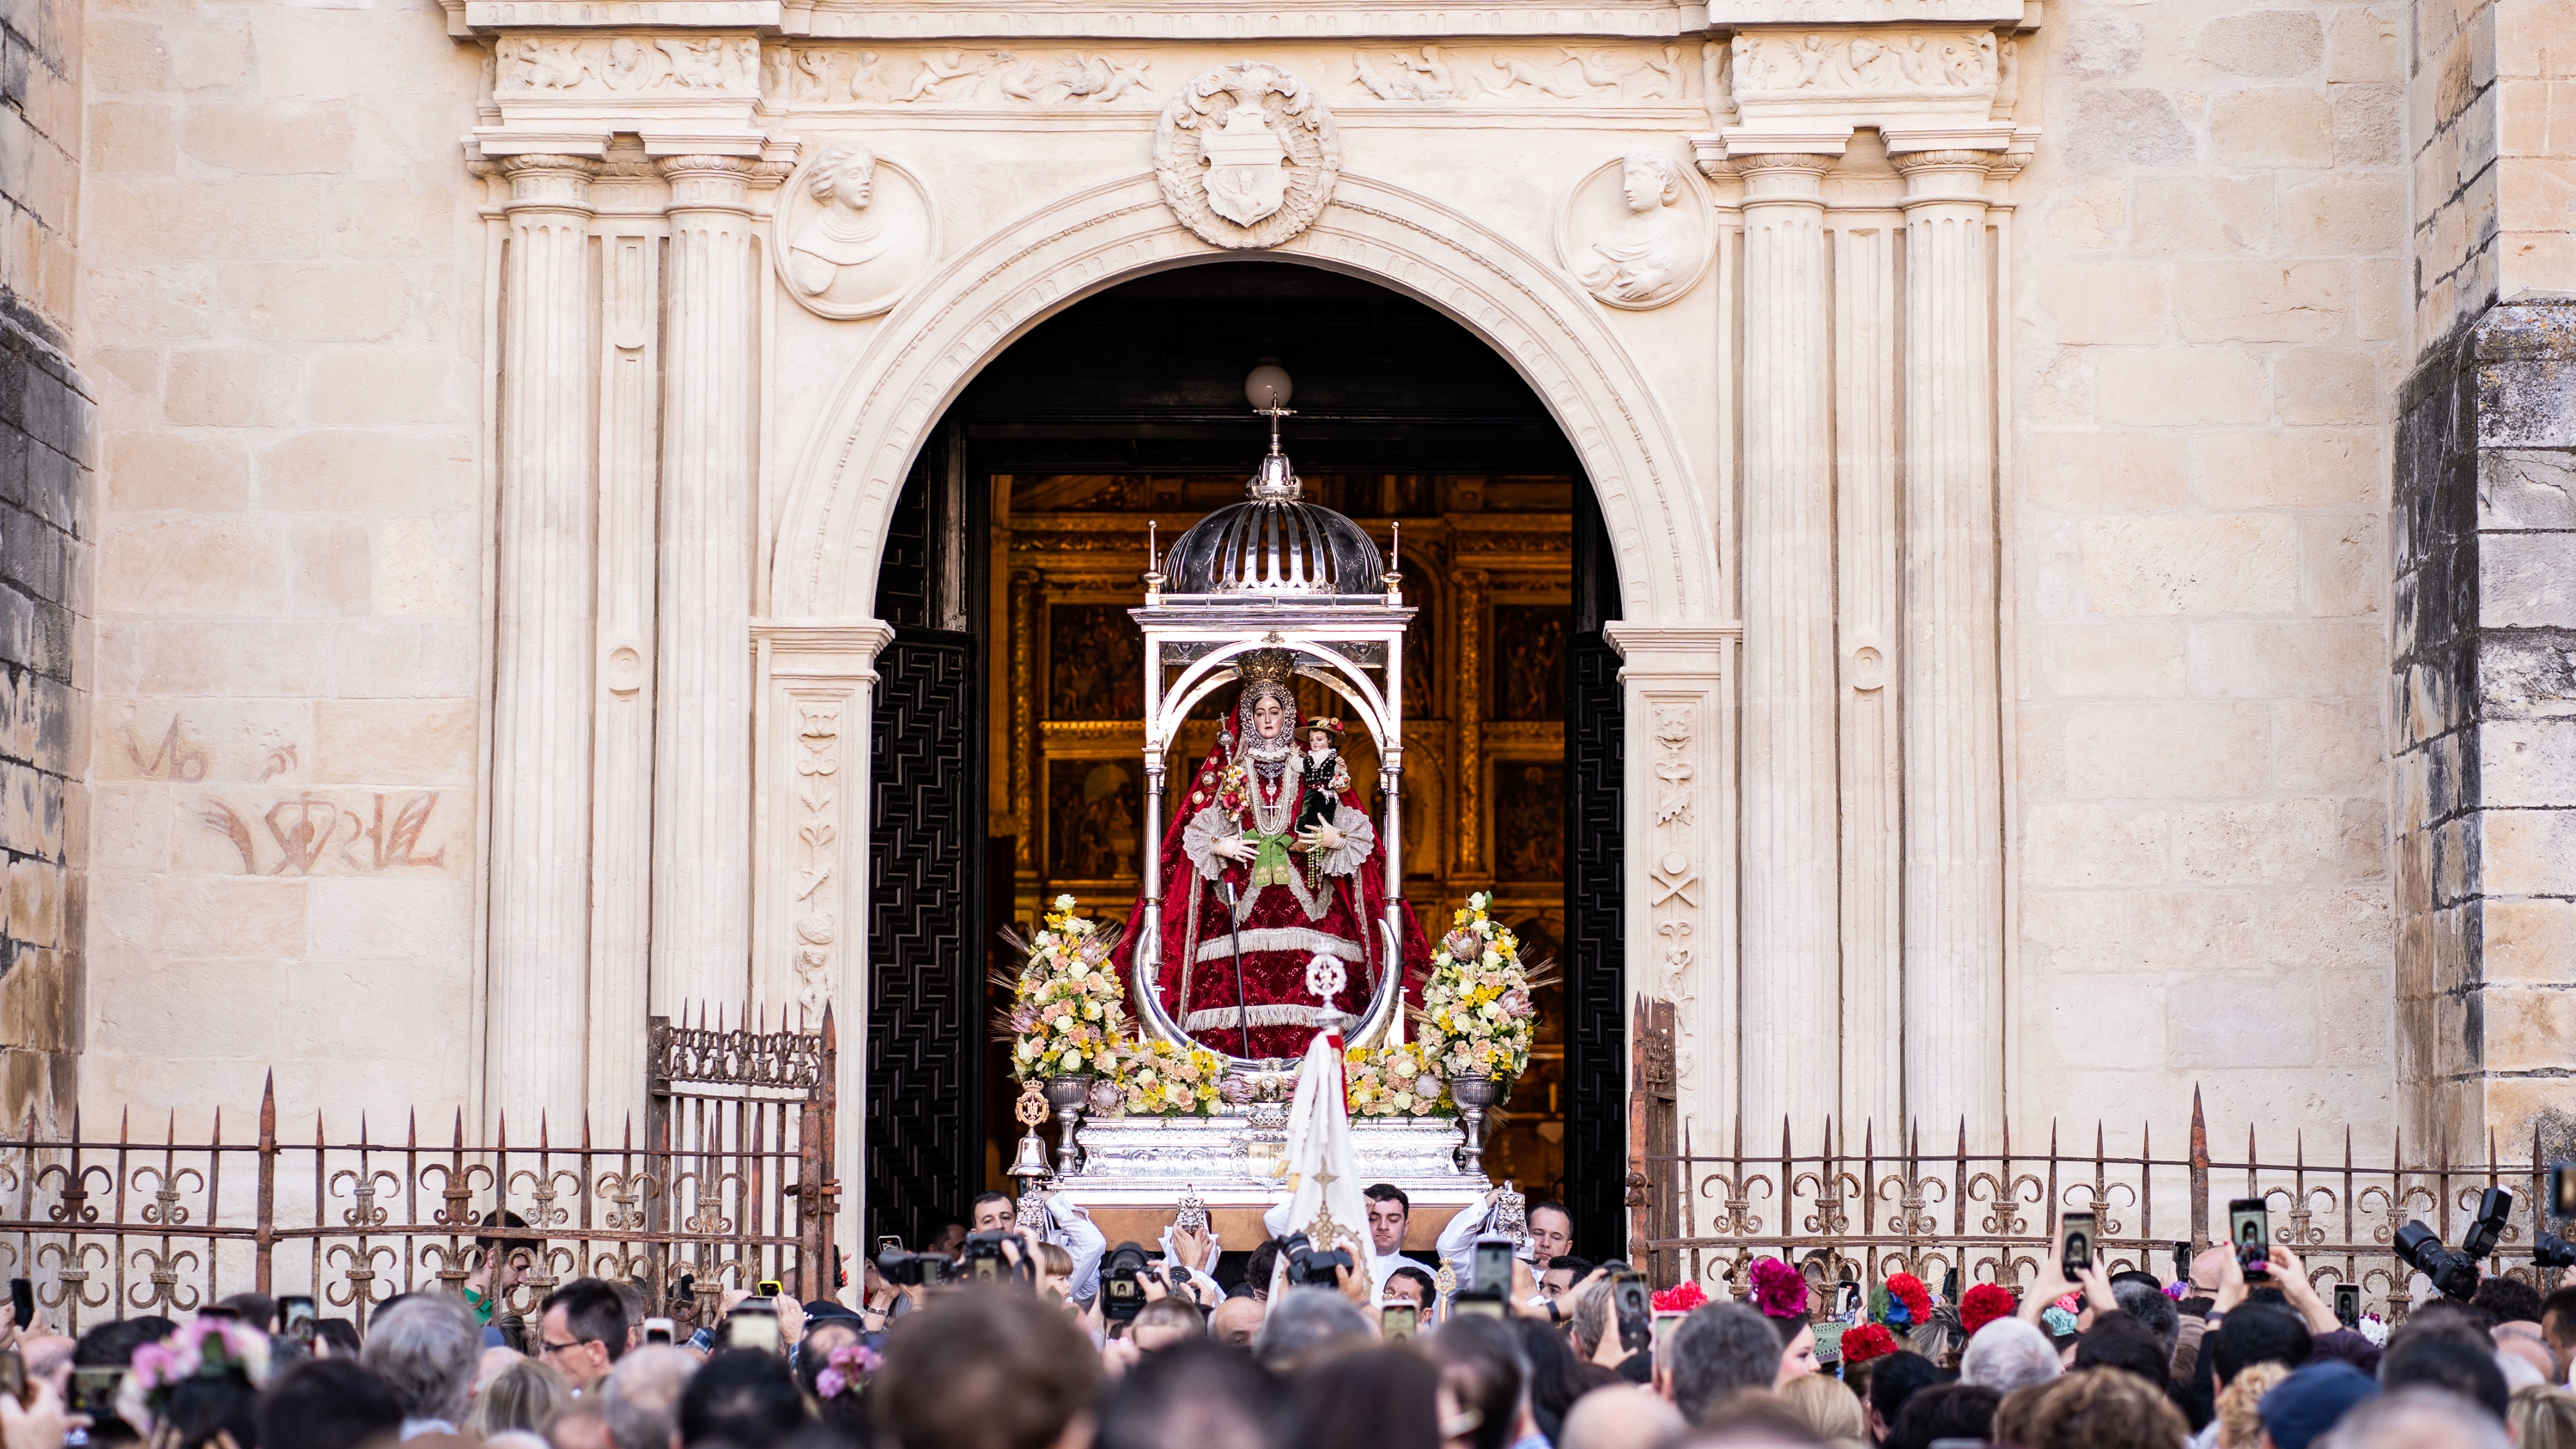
[1953,731]
[701,742]
[542,651]
[1866,244]
[1790,842]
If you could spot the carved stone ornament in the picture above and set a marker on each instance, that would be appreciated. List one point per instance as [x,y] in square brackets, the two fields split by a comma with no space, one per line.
[1634,231]
[853,231]
[1247,155]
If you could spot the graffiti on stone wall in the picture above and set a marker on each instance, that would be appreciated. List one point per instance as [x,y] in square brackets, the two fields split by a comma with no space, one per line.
[304,833]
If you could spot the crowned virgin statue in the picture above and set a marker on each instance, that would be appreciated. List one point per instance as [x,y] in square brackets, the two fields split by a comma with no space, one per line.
[1271,871]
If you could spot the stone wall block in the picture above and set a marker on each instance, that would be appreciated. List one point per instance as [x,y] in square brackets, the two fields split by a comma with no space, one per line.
[2286,468]
[2092,304]
[2329,385]
[2294,660]
[2527,580]
[2102,657]
[2528,852]
[152,472]
[378,472]
[2139,751]
[2346,928]
[2327,745]
[2234,1021]
[2234,564]
[2528,1028]
[2368,121]
[2205,216]
[2526,674]
[2527,762]
[2102,47]
[2127,128]
[2276,127]
[2340,563]
[2527,488]
[228,387]
[2262,301]
[2274,44]
[2257,842]
[2159,387]
[268,138]
[316,302]
[2527,941]
[2095,845]
[2107,472]
[365,387]
[2366,43]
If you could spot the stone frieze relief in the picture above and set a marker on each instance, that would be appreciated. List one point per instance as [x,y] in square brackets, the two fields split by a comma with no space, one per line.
[1880,63]
[627,65]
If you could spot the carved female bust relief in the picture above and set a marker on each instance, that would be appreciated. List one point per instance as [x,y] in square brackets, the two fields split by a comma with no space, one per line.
[854,232]
[1658,246]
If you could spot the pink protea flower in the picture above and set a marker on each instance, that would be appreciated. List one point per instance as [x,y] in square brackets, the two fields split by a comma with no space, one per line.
[1779,1290]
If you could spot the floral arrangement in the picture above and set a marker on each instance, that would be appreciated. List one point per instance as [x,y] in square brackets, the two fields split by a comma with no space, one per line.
[1779,1290]
[847,1371]
[208,1348]
[1159,1079]
[1476,1014]
[1983,1304]
[1681,1298]
[1908,1304]
[1393,1082]
[2057,1322]
[1067,1006]
[1865,1342]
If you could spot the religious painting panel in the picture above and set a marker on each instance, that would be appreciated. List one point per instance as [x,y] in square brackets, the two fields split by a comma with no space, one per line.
[1095,663]
[1094,810]
[1529,661]
[1528,819]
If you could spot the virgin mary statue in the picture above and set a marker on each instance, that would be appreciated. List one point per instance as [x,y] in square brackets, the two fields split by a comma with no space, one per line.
[1296,908]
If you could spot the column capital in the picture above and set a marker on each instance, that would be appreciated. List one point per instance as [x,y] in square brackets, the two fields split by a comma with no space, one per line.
[711,183]
[1784,177]
[549,182]
[1952,177]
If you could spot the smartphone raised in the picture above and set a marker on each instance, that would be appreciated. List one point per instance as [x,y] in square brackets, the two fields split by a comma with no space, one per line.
[1397,1320]
[1665,1318]
[771,1288]
[94,1391]
[2562,1190]
[295,1317]
[1490,1272]
[658,1330]
[2249,1227]
[2348,1304]
[2075,1237]
[1476,1307]
[1635,1306]
[754,1325]
[22,1301]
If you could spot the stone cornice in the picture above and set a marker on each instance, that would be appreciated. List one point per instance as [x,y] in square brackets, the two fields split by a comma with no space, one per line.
[1211,20]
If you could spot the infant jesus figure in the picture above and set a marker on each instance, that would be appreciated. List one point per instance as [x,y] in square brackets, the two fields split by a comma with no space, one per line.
[1322,766]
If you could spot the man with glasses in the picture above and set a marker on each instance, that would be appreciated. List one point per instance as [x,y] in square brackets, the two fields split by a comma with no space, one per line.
[582,1332]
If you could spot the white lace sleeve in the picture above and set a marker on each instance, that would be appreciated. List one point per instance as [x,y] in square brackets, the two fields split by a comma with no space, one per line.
[1359,841]
[1206,831]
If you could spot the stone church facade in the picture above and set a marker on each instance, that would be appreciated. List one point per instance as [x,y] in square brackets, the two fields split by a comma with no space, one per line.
[2087,485]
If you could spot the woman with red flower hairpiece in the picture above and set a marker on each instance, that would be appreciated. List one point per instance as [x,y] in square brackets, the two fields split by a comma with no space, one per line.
[1780,1292]
[1983,1304]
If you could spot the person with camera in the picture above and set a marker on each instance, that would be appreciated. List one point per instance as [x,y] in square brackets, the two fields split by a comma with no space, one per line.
[1063,1222]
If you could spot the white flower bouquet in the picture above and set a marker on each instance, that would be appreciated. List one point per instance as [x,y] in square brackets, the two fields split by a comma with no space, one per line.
[1476,1016]
[1394,1082]
[1067,1006]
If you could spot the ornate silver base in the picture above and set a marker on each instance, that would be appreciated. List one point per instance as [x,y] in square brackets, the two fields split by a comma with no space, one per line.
[1135,1169]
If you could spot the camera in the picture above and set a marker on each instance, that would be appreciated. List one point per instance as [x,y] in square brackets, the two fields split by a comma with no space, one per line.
[1122,1283]
[2548,1250]
[1308,1267]
[912,1270]
[986,1262]
[2495,1205]
[2453,1273]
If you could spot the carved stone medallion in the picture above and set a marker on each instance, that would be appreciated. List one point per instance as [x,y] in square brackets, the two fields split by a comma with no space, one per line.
[1634,231]
[853,231]
[1247,155]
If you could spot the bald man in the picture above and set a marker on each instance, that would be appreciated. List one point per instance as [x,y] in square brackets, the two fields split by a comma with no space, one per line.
[1625,1416]
[1237,1320]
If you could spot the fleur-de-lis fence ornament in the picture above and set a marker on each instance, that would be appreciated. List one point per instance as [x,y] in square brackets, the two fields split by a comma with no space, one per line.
[159,1287]
[164,1209]
[360,1265]
[361,1190]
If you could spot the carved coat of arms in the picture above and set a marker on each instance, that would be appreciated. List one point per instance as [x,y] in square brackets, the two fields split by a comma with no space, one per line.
[1246,155]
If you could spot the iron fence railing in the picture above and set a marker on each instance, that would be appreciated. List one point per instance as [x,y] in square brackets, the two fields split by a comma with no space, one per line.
[731,1184]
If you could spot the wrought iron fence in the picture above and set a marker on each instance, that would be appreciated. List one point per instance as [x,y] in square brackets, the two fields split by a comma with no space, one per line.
[731,1184]
[1864,1211]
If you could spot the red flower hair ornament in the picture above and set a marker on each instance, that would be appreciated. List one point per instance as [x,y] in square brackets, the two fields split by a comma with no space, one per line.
[1779,1290]
[1681,1298]
[1983,1304]
[1865,1342]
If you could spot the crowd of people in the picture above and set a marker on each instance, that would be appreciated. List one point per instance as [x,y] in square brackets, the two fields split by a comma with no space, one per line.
[996,1337]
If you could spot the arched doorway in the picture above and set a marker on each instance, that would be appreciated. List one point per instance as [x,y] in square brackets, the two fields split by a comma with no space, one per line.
[1013,553]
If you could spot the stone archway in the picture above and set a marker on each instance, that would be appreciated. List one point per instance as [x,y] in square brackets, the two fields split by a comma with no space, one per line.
[817,642]
[823,559]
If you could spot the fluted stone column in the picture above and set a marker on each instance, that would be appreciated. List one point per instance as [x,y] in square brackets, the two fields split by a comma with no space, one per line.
[541,689]
[1790,842]
[702,686]
[1951,696]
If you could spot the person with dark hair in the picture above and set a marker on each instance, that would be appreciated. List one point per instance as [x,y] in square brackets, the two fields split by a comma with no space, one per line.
[1483,1374]
[253,1310]
[1305,1323]
[581,1331]
[2258,1333]
[2119,1341]
[2147,1303]
[1720,1350]
[1556,1283]
[947,1238]
[1388,1397]
[993,1212]
[1199,1395]
[1408,1284]
[983,1369]
[2507,1300]
[2448,1361]
[1894,1379]
[112,1344]
[326,1403]
[741,1397]
[1390,1218]
[1555,1375]
[1551,1232]
[1945,1411]
[500,1263]
[204,1408]
[2558,1329]
[1261,1267]
[335,1338]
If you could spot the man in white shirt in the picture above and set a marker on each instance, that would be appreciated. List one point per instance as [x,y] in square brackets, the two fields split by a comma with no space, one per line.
[1065,1224]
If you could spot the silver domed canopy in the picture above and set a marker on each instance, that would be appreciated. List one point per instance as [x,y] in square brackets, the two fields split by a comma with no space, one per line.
[1275,543]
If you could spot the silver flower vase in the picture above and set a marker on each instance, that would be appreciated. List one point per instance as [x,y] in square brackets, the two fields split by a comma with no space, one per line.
[1068,1096]
[1475,1094]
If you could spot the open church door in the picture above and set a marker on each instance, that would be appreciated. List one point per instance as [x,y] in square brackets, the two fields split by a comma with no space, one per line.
[1596,992]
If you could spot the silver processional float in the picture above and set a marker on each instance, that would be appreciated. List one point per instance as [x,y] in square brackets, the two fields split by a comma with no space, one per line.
[1270,575]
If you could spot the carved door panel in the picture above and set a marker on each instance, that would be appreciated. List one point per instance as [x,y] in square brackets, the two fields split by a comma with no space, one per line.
[1596,992]
[925,937]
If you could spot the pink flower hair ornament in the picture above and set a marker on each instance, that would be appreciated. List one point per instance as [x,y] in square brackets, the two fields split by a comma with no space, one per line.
[847,1371]
[1779,1290]
[206,1348]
